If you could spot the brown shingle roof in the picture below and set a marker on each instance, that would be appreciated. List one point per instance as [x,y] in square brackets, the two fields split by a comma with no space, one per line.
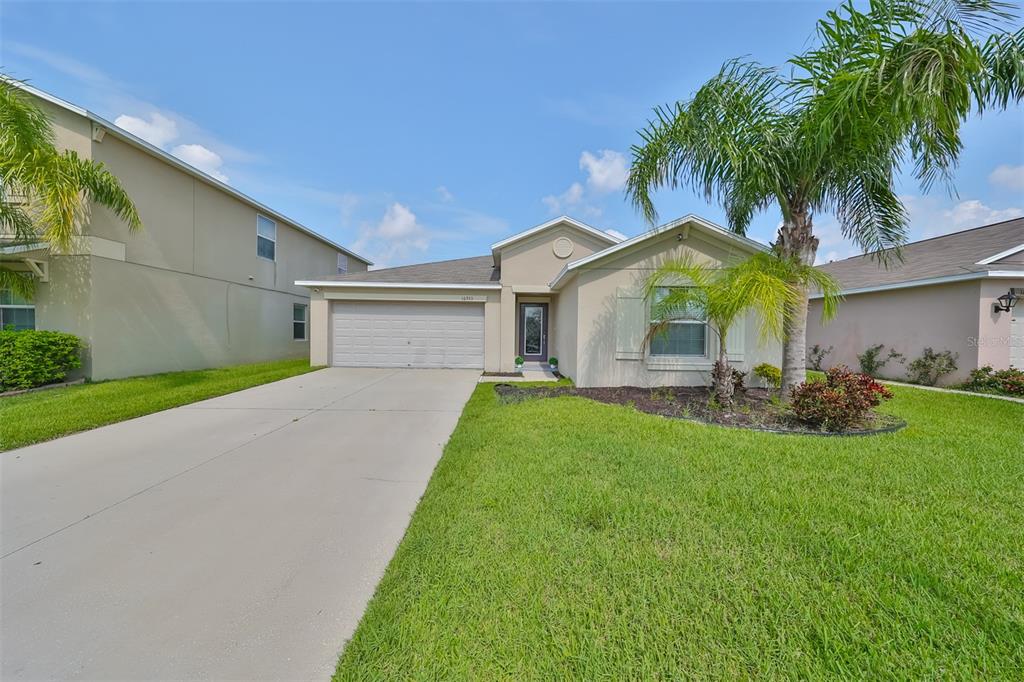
[951,254]
[474,270]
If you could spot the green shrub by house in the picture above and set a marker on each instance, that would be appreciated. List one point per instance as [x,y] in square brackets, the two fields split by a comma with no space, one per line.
[769,374]
[34,358]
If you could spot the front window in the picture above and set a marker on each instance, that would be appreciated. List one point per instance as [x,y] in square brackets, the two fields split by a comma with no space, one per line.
[299,321]
[686,333]
[16,312]
[266,238]
[342,264]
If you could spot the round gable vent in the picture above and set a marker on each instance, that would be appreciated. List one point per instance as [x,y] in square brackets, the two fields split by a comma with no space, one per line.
[562,247]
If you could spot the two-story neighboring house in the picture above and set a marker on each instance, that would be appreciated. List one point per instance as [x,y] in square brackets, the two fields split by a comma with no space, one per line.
[209,281]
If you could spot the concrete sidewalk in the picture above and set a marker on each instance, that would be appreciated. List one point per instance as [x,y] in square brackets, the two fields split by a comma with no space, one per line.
[237,538]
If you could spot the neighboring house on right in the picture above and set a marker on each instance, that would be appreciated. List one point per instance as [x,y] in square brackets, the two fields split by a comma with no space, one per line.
[944,295]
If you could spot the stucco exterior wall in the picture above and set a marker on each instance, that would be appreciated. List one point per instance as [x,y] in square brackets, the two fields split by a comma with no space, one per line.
[147,320]
[598,318]
[566,316]
[997,341]
[186,292]
[943,317]
[532,262]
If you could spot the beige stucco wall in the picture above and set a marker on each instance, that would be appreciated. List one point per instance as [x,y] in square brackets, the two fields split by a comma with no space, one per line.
[188,291]
[994,329]
[566,337]
[531,264]
[956,316]
[596,292]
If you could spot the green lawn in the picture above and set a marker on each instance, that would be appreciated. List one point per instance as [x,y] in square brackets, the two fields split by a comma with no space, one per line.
[34,417]
[564,538]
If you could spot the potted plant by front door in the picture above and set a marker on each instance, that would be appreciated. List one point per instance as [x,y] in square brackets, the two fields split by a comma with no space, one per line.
[553,364]
[519,363]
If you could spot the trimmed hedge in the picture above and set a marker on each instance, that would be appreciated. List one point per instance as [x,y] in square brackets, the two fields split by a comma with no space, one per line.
[34,358]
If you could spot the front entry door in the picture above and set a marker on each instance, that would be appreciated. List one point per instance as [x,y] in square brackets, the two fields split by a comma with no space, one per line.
[533,331]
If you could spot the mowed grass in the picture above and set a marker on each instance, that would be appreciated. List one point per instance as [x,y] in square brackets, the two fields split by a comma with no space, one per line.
[34,417]
[567,539]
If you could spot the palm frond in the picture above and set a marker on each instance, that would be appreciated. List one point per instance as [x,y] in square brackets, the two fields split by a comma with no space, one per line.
[18,282]
[725,142]
[102,187]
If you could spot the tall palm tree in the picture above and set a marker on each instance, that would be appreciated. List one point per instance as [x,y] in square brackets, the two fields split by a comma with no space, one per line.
[884,86]
[721,295]
[43,191]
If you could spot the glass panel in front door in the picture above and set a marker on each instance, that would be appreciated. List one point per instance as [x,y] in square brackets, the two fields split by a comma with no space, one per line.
[533,329]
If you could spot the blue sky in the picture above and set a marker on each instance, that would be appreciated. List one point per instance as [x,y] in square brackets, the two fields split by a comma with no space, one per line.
[425,131]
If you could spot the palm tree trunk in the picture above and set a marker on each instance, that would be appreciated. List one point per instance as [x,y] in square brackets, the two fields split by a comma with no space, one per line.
[722,375]
[796,240]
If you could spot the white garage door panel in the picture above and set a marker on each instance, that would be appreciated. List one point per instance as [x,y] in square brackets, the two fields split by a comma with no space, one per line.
[370,334]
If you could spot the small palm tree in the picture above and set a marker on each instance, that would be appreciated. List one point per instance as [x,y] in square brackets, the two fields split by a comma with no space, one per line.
[42,190]
[886,85]
[765,283]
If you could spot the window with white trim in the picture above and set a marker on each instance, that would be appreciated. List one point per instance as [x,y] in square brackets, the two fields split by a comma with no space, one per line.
[342,264]
[16,312]
[299,321]
[266,238]
[686,334]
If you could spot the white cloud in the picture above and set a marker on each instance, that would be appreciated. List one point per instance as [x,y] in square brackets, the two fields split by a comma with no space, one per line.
[568,199]
[445,195]
[1011,177]
[159,130]
[396,237]
[202,158]
[605,173]
[928,218]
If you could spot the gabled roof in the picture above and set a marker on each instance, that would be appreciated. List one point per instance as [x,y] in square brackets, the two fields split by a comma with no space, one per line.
[970,254]
[141,144]
[561,220]
[477,271]
[691,219]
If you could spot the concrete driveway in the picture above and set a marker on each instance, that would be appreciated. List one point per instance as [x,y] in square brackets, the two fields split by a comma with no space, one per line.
[236,538]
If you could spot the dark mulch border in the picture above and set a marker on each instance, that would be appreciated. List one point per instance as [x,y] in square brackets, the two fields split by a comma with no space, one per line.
[753,408]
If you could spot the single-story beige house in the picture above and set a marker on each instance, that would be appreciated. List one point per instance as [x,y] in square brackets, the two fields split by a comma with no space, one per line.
[208,282]
[944,295]
[562,289]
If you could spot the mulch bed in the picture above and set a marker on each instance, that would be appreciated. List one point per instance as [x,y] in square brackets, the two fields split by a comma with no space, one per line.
[752,408]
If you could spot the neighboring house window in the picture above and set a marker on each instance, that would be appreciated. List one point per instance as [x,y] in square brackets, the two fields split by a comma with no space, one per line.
[16,312]
[686,333]
[342,264]
[299,321]
[266,238]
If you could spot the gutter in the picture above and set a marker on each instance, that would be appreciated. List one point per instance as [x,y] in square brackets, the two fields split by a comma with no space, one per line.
[966,277]
[393,285]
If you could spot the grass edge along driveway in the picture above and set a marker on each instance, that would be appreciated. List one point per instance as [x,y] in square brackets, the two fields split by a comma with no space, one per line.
[43,415]
[567,539]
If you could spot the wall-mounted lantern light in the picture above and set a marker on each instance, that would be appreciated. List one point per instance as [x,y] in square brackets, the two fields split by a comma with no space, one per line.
[1006,302]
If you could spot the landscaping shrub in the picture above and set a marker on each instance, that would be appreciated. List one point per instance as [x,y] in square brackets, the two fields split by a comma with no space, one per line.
[816,355]
[1003,381]
[840,402]
[769,374]
[872,362]
[928,368]
[34,358]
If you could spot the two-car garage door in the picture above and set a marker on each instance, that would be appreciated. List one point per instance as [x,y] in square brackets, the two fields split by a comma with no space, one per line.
[407,334]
